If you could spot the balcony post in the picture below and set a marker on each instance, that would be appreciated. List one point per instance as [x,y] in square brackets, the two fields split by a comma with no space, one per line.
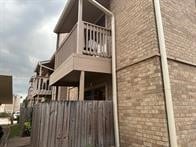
[57,42]
[81,87]
[80,28]
[40,71]
[38,83]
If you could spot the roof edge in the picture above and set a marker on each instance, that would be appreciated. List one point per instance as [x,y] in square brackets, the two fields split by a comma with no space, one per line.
[65,12]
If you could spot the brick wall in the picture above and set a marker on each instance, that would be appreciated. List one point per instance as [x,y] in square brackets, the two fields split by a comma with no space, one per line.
[142,115]
[183,84]
[72,93]
[141,105]
[136,35]
[179,19]
[62,93]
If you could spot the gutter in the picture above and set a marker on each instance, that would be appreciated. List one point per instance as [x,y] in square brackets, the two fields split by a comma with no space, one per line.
[165,73]
[46,67]
[114,83]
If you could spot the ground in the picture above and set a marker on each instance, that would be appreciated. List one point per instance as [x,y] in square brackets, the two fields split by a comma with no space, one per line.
[14,134]
[19,142]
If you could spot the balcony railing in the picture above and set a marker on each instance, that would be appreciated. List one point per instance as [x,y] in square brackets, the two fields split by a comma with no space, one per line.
[96,42]
[43,92]
[67,47]
[41,86]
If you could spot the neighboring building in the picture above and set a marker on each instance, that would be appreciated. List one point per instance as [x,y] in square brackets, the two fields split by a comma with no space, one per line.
[39,89]
[10,108]
[145,73]
[6,93]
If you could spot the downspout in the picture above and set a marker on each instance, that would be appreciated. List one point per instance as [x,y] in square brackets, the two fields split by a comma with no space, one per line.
[114,87]
[166,79]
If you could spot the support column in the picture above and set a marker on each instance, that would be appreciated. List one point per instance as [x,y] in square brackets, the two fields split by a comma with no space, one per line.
[80,28]
[40,71]
[57,42]
[81,87]
[57,93]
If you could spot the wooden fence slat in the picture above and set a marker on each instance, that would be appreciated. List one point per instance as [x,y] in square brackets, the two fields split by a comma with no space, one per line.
[42,124]
[100,125]
[51,125]
[90,124]
[46,125]
[59,127]
[33,126]
[82,140]
[36,126]
[95,119]
[77,125]
[54,125]
[73,124]
[66,124]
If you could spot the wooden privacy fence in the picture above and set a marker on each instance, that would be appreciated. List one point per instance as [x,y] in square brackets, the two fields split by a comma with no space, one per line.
[73,124]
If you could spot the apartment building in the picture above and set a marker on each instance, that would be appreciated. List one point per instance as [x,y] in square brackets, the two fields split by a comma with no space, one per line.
[39,89]
[6,90]
[83,54]
[10,108]
[156,65]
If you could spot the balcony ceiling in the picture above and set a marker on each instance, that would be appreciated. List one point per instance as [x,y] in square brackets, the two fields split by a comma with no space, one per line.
[70,13]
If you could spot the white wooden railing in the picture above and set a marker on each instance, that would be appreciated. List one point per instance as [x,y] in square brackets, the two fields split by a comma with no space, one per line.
[97,40]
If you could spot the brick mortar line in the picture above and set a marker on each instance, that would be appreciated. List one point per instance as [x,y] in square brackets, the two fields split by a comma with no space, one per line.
[157,55]
[181,61]
[139,61]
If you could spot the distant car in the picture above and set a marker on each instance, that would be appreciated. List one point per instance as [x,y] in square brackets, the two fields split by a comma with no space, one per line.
[16,115]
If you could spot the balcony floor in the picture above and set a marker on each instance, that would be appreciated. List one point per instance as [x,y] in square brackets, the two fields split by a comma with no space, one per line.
[70,68]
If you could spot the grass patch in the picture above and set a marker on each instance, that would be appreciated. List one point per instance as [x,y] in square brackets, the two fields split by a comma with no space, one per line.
[15,131]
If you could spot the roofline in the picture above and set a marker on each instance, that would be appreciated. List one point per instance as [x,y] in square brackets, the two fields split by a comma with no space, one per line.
[41,62]
[65,12]
[53,56]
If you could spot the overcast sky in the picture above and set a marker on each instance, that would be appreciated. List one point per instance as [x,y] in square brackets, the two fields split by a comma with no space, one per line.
[26,36]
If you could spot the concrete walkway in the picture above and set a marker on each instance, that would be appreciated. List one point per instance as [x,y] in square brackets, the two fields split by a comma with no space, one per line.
[19,142]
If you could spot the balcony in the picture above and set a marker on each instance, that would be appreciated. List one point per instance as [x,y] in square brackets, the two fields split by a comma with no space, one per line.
[67,47]
[92,55]
[95,42]
[43,92]
[41,87]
